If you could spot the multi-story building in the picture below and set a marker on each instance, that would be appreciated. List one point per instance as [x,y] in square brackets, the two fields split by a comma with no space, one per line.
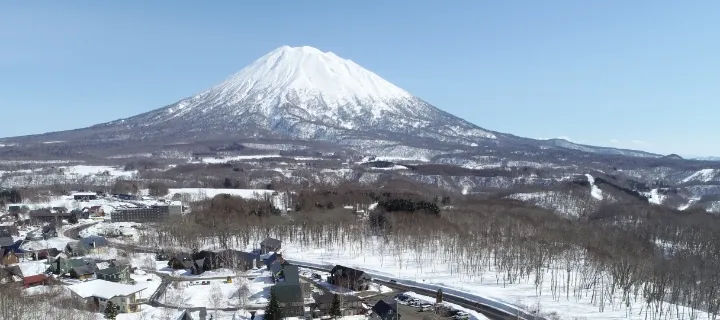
[149,214]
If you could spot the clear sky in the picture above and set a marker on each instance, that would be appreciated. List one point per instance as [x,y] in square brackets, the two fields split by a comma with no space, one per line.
[636,74]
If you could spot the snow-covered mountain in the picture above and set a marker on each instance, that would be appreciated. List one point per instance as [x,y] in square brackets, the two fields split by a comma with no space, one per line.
[302,93]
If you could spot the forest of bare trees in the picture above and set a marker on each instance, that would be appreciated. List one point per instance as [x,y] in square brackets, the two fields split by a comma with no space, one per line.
[650,258]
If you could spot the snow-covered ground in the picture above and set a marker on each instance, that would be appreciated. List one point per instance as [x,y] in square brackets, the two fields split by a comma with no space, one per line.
[594,190]
[428,271]
[704,175]
[112,229]
[218,294]
[87,174]
[655,197]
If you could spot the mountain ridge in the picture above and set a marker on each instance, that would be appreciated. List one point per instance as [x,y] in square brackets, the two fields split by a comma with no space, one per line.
[305,94]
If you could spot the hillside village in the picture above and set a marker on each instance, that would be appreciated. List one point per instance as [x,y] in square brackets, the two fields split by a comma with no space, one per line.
[83,244]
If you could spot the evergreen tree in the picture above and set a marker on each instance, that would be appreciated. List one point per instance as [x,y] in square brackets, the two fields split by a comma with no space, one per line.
[335,308]
[111,311]
[273,310]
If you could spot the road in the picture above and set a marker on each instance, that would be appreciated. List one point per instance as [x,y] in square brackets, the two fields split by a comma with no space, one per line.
[489,311]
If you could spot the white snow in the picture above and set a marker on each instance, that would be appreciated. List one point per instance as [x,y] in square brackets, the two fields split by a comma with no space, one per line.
[704,175]
[594,190]
[655,197]
[472,313]
[105,289]
[189,295]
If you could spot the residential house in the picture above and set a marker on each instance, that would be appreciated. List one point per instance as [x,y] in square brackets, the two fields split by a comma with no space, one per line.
[385,309]
[290,276]
[176,208]
[270,245]
[8,257]
[183,315]
[44,254]
[80,214]
[186,261]
[231,259]
[61,265]
[116,272]
[350,305]
[59,209]
[36,280]
[10,274]
[349,278]
[87,245]
[97,293]
[290,298]
[33,236]
[83,272]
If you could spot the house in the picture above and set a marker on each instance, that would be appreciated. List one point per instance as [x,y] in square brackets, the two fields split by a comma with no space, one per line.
[290,298]
[183,315]
[349,278]
[34,281]
[10,274]
[234,259]
[116,272]
[44,254]
[83,272]
[289,275]
[49,231]
[59,209]
[8,257]
[45,215]
[176,208]
[350,305]
[97,293]
[385,309]
[80,214]
[85,196]
[186,261]
[61,265]
[270,245]
[87,245]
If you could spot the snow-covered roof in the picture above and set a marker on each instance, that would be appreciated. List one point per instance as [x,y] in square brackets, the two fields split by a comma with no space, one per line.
[105,289]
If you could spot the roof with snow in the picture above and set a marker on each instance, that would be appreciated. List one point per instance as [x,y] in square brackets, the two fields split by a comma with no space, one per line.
[105,289]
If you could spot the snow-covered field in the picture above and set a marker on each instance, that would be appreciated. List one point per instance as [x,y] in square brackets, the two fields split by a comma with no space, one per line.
[85,174]
[218,294]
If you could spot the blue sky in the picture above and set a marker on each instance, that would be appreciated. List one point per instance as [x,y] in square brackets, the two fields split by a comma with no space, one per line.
[633,74]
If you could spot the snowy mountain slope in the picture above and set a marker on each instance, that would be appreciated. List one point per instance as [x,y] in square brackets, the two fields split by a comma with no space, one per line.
[304,94]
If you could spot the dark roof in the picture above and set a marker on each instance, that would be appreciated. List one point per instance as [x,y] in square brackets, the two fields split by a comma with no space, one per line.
[181,256]
[328,298]
[6,241]
[288,293]
[109,270]
[290,276]
[83,270]
[383,307]
[47,213]
[81,262]
[271,242]
[47,229]
[350,273]
[276,267]
[94,241]
[270,259]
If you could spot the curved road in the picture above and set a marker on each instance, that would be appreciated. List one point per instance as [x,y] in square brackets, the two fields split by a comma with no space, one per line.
[489,311]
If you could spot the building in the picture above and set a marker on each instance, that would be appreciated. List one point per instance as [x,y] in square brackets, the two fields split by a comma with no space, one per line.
[47,216]
[6,242]
[34,281]
[83,272]
[290,298]
[116,272]
[270,245]
[149,214]
[49,231]
[97,293]
[385,309]
[176,208]
[7,257]
[349,278]
[10,274]
[85,196]
[87,245]
[350,305]
[61,265]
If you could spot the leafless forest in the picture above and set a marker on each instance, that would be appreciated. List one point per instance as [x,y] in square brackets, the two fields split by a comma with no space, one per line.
[650,258]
